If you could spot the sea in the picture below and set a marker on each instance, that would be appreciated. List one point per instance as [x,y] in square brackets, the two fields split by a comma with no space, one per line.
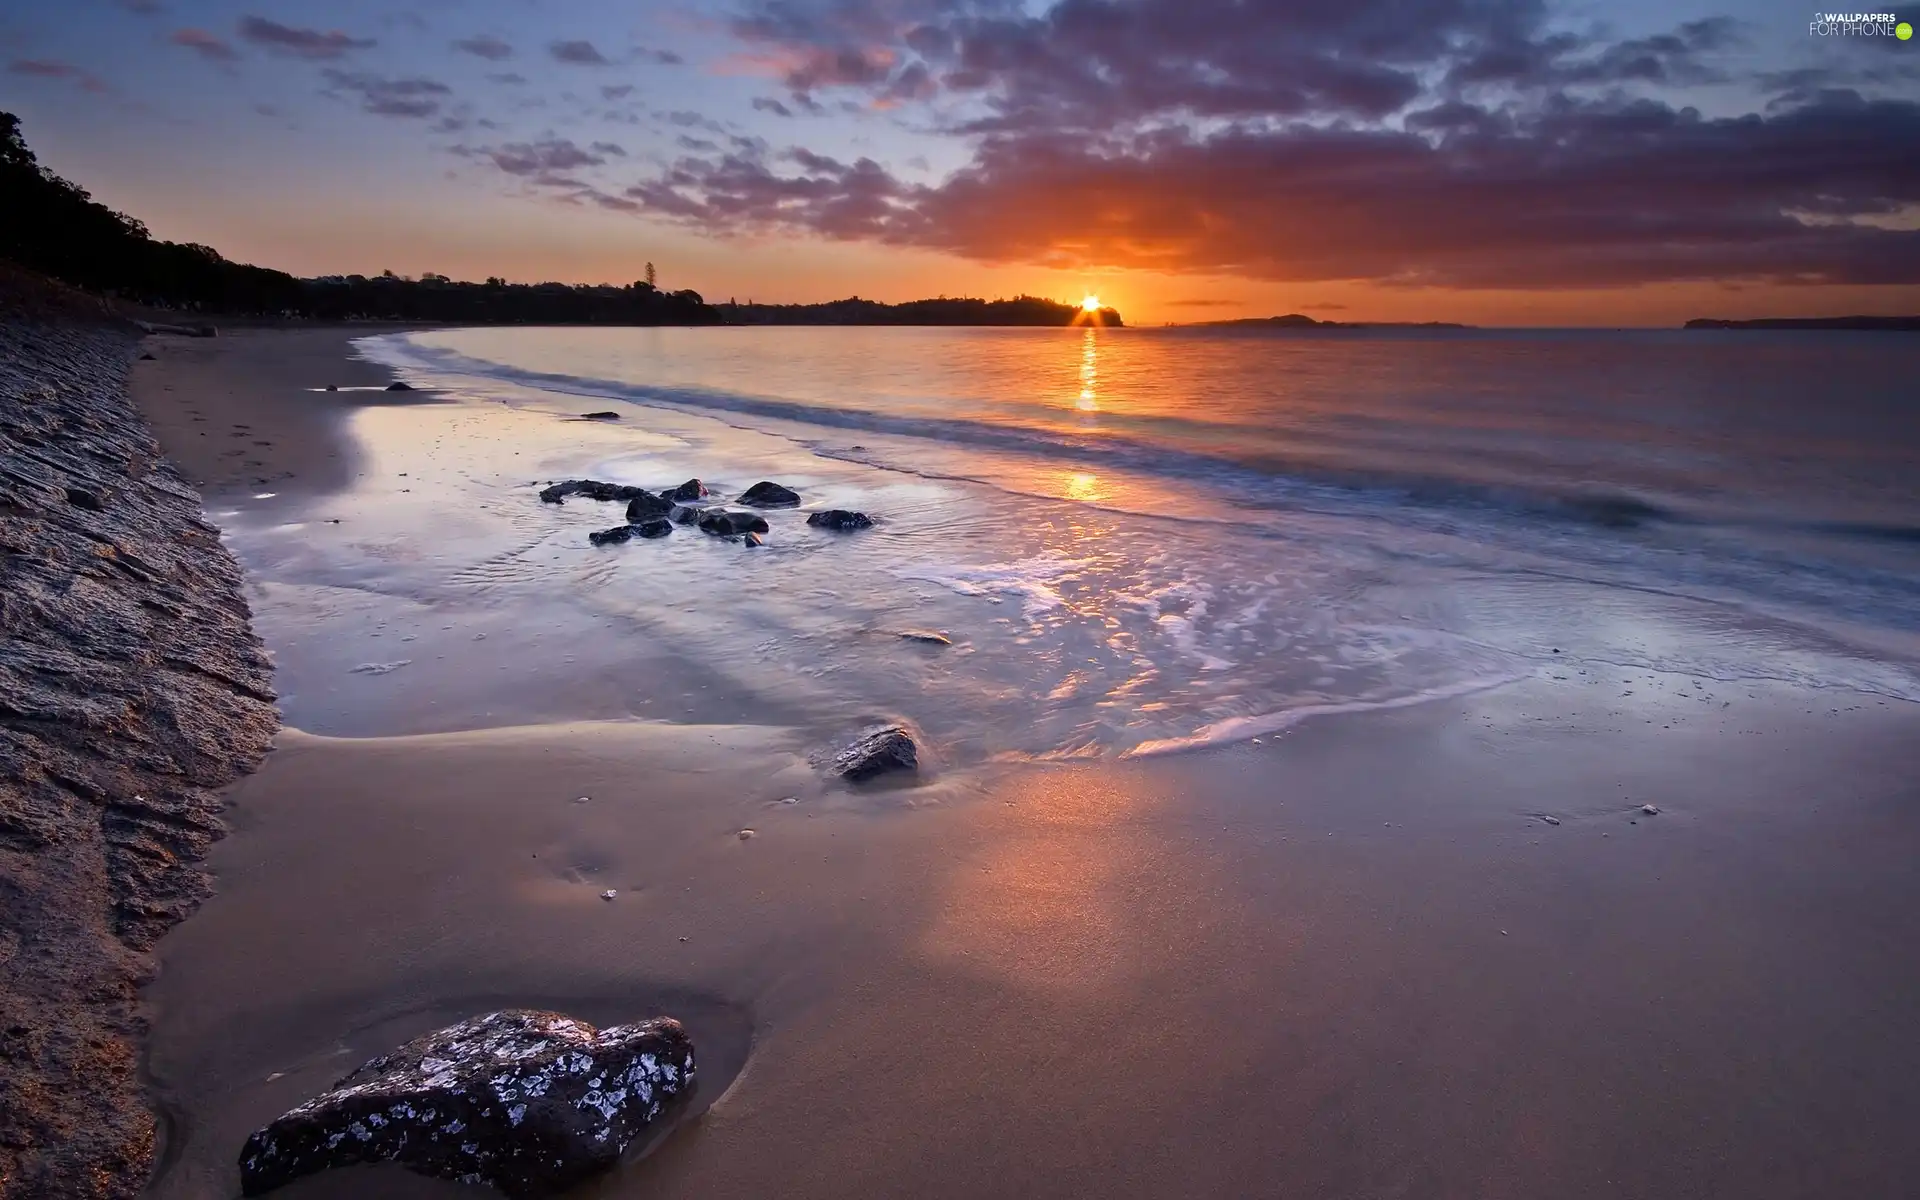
[1133,541]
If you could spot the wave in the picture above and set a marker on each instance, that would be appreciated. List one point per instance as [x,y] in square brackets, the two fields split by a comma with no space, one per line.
[1237,729]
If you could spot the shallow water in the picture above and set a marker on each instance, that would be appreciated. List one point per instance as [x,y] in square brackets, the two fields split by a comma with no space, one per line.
[1137,540]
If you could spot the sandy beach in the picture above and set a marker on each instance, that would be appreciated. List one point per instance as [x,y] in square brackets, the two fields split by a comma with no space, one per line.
[1440,950]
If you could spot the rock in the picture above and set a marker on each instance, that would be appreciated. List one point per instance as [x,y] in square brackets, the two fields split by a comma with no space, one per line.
[332,387]
[685,514]
[692,489]
[840,518]
[723,522]
[1650,810]
[614,536]
[600,416]
[399,386]
[878,751]
[652,527]
[530,1103]
[647,506]
[146,358]
[929,636]
[592,489]
[609,894]
[770,495]
[82,498]
[753,539]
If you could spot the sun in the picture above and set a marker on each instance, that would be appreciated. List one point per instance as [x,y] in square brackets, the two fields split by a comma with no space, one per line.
[1090,304]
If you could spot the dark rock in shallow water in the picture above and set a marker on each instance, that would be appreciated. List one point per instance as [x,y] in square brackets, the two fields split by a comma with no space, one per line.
[840,518]
[600,416]
[723,522]
[647,506]
[332,387]
[592,489]
[753,539]
[770,495]
[531,1103]
[146,358]
[685,514]
[692,489]
[653,527]
[399,386]
[928,636]
[611,537]
[879,751]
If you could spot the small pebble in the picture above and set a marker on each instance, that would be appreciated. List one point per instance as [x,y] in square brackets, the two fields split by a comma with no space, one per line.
[1551,820]
[790,800]
[745,834]
[1650,810]
[582,799]
[609,894]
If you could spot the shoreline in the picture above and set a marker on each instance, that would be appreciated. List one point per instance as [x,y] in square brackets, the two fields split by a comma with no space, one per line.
[1352,958]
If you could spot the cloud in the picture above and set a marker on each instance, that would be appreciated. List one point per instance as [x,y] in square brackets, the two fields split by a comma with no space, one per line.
[50,68]
[609,149]
[616,91]
[390,97]
[509,78]
[770,105]
[484,46]
[1206,303]
[1600,192]
[300,43]
[207,45]
[578,54]
[544,160]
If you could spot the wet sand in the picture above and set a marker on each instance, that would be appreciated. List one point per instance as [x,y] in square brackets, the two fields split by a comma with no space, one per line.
[1352,960]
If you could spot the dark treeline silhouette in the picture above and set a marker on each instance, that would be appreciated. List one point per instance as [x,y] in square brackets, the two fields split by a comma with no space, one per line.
[1884,324]
[52,226]
[1302,321]
[1021,310]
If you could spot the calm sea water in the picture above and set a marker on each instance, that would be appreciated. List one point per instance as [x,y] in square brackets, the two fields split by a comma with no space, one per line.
[1140,540]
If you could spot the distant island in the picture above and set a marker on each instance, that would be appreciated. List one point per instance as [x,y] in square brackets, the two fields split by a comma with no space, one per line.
[1021,310]
[1301,321]
[1900,324]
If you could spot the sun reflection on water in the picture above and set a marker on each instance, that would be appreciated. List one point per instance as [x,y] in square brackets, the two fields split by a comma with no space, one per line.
[1089,371]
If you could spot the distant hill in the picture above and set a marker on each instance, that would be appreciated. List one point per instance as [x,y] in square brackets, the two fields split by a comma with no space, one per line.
[54,227]
[1021,310]
[1300,321]
[1903,324]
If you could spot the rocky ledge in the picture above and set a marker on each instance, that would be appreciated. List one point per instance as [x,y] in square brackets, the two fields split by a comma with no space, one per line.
[132,689]
[530,1103]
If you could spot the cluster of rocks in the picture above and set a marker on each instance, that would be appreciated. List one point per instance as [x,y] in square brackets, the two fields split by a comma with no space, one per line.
[530,1103]
[654,515]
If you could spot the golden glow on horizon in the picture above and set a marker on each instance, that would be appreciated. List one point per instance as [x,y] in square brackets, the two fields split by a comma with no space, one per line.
[1090,304]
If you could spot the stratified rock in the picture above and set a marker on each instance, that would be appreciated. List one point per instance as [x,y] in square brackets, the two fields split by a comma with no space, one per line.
[611,537]
[879,751]
[652,527]
[399,385]
[692,489]
[530,1103]
[722,522]
[592,489]
[841,519]
[647,506]
[600,416]
[770,495]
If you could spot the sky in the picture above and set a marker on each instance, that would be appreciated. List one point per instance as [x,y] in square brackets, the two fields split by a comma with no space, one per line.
[1511,162]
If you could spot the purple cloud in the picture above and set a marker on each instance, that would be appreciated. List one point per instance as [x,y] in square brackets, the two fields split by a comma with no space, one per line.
[206,45]
[390,97]
[543,160]
[50,68]
[485,46]
[578,54]
[300,43]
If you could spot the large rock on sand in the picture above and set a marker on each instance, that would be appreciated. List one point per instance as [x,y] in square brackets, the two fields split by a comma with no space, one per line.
[692,489]
[882,750]
[770,495]
[528,1102]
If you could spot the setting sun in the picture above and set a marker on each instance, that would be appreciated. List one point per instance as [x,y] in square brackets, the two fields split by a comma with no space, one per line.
[1090,304]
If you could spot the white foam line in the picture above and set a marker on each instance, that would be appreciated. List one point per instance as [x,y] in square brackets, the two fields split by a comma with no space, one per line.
[1235,729]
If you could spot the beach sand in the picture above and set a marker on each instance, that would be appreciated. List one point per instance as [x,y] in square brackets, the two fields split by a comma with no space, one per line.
[1355,959]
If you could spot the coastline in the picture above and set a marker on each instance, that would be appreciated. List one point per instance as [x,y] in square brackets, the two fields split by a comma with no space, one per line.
[132,690]
[1354,958]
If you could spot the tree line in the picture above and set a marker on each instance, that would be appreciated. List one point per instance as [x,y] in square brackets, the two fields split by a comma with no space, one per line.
[53,226]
